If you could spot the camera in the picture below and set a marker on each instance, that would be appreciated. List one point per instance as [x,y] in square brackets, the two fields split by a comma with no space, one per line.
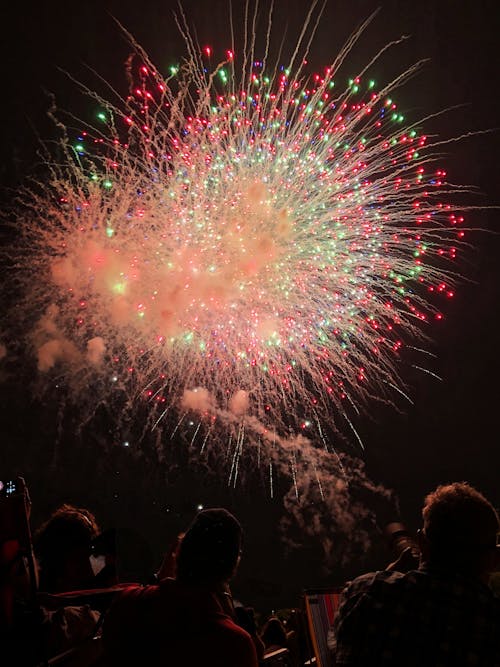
[400,539]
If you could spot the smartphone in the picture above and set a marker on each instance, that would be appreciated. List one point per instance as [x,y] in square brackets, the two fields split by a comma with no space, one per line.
[14,511]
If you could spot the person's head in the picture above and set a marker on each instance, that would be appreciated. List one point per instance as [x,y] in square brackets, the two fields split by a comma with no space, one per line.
[460,530]
[210,549]
[63,547]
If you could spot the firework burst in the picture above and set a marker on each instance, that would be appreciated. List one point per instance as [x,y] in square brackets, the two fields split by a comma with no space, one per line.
[243,244]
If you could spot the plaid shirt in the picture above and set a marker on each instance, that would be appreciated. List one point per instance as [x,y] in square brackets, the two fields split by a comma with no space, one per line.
[417,619]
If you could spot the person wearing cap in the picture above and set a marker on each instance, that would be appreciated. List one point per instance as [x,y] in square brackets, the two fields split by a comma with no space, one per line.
[187,619]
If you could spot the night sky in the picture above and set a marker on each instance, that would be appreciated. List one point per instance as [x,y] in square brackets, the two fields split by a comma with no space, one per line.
[451,432]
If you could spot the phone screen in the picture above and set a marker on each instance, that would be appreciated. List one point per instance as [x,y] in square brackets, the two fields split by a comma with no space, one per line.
[8,487]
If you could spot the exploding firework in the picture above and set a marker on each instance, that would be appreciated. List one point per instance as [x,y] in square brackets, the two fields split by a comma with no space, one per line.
[244,247]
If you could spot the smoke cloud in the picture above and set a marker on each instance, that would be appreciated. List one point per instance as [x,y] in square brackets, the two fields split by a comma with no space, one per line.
[95,350]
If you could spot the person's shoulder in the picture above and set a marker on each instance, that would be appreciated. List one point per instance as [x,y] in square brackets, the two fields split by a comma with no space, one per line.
[229,627]
[380,575]
[135,594]
[132,590]
[129,603]
[237,640]
[370,579]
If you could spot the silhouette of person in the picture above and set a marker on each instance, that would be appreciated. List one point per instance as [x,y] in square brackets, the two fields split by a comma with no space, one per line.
[442,613]
[188,619]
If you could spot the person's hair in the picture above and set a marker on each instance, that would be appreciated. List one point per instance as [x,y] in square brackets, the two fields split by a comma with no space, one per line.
[67,530]
[210,548]
[274,633]
[459,523]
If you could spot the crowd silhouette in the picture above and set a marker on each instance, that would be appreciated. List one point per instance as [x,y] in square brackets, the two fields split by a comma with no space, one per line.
[62,603]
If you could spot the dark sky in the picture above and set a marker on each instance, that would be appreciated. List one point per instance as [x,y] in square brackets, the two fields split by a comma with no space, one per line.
[450,433]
